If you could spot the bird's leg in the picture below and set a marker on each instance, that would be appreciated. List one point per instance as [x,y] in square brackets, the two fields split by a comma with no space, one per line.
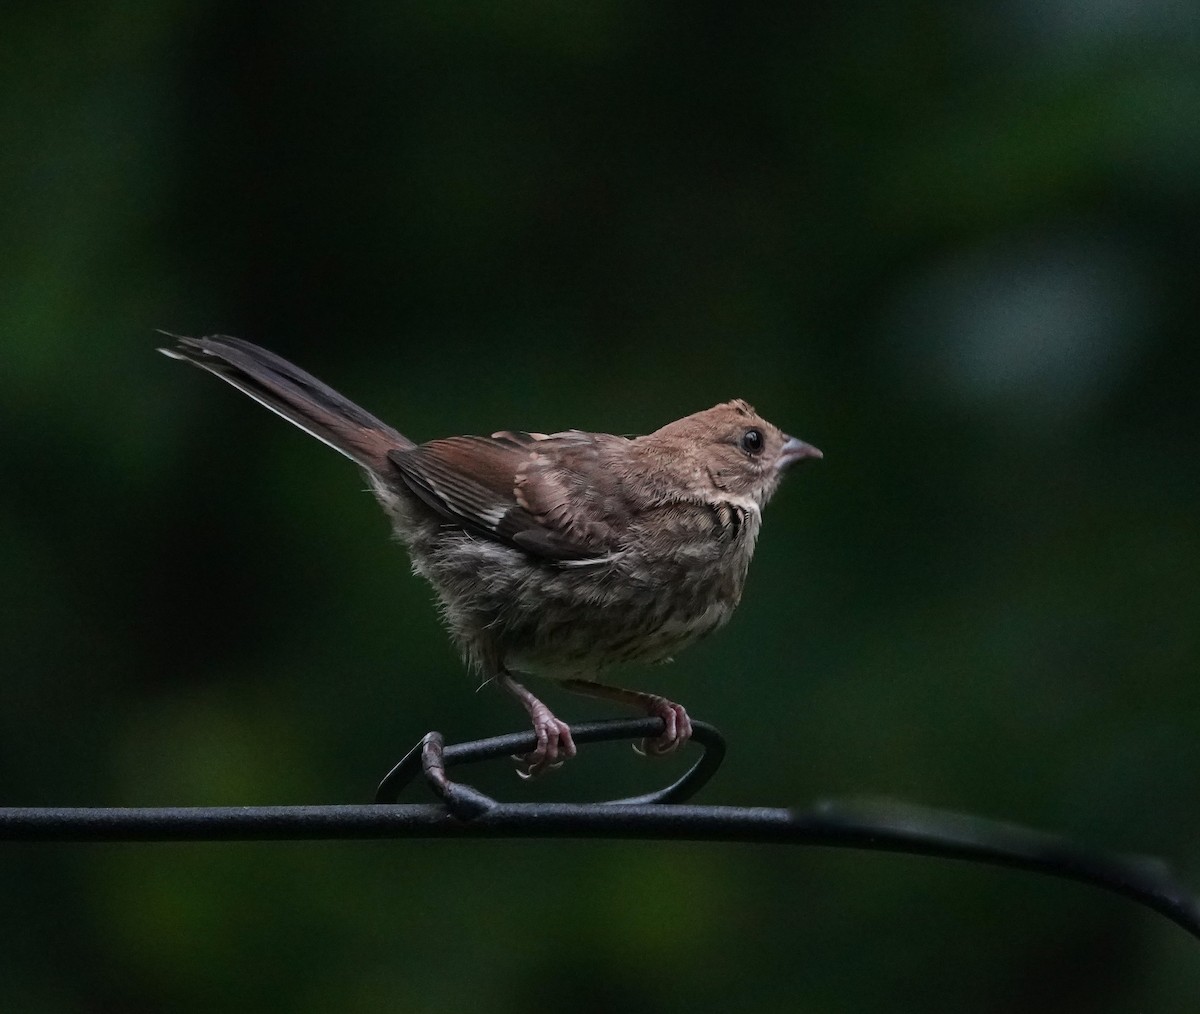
[554,743]
[677,726]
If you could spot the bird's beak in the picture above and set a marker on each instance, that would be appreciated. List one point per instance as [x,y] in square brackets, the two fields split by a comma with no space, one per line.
[796,450]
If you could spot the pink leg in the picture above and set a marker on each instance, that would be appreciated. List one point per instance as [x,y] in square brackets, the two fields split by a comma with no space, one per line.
[677,725]
[554,743]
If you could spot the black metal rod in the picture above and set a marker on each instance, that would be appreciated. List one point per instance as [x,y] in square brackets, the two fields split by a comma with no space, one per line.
[886,827]
[873,826]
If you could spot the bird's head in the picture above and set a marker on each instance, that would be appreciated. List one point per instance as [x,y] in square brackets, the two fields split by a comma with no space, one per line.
[730,448]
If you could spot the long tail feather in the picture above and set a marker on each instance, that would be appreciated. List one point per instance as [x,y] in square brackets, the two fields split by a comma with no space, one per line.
[296,396]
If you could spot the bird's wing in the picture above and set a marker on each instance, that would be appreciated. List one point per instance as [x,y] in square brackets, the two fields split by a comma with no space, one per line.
[551,496]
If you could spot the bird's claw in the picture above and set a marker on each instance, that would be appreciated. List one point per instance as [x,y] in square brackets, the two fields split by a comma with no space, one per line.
[677,728]
[554,747]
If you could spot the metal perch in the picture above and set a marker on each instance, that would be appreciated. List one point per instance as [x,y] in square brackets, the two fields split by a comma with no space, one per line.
[464,812]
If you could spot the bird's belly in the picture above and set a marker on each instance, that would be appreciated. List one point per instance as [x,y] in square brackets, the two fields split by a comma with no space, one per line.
[573,621]
[639,626]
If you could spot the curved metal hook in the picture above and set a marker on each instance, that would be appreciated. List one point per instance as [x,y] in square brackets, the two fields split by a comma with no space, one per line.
[431,757]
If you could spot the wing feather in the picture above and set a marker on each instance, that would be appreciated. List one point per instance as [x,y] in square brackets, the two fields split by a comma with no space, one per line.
[547,495]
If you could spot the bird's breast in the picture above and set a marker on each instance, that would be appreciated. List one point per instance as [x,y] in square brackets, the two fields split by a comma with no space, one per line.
[676,576]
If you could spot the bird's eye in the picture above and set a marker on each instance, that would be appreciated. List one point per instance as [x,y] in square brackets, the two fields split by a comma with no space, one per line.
[752,441]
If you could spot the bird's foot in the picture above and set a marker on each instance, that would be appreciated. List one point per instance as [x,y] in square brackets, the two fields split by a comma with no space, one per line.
[677,727]
[554,743]
[554,746]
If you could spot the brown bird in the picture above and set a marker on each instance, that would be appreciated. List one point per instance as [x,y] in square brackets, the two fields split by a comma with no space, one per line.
[560,554]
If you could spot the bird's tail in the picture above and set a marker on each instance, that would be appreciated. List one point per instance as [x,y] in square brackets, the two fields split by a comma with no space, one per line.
[297,396]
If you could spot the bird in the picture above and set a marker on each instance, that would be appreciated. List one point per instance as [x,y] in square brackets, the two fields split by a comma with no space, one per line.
[554,554]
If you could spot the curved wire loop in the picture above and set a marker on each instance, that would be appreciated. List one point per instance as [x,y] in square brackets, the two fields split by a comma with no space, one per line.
[431,757]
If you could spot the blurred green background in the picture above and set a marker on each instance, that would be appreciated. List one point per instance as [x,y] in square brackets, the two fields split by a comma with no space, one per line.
[955,246]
